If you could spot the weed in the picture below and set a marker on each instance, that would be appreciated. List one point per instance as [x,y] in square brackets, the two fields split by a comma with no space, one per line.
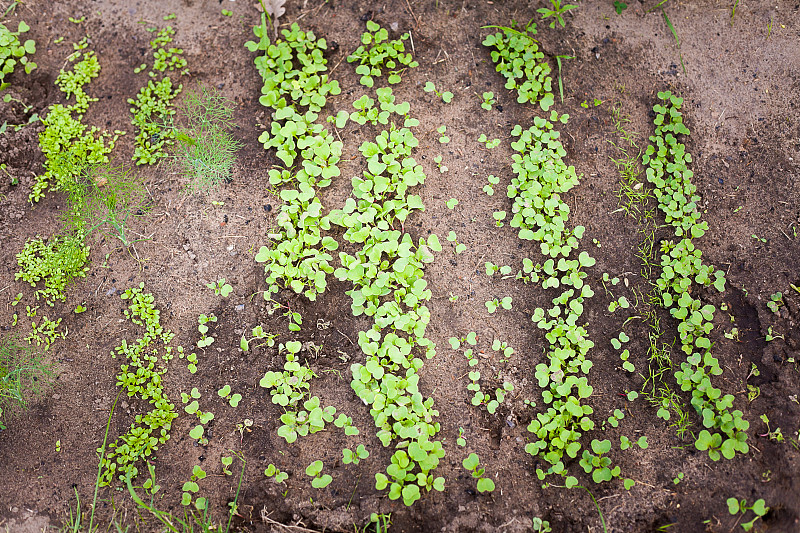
[556,12]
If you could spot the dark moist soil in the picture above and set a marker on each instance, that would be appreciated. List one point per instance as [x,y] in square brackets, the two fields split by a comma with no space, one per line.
[740,80]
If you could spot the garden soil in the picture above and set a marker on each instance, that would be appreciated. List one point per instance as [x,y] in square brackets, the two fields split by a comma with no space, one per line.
[740,77]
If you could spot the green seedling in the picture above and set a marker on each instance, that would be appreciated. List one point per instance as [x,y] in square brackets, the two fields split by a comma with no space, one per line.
[459,247]
[141,375]
[319,480]
[493,304]
[488,100]
[678,478]
[233,399]
[493,143]
[220,288]
[556,12]
[446,96]
[620,6]
[227,13]
[226,463]
[191,487]
[775,435]
[498,217]
[377,53]
[205,340]
[354,457]
[460,440]
[275,473]
[736,507]
[258,333]
[493,180]
[438,160]
[451,203]
[776,302]
[80,308]
[205,148]
[472,464]
[443,139]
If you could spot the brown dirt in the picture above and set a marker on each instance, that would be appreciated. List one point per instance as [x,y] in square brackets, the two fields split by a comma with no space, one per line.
[741,88]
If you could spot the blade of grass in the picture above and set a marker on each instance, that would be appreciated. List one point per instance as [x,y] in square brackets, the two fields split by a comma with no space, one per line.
[671,28]
[560,84]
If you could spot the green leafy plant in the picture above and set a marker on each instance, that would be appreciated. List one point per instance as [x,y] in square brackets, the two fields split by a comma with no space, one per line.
[736,507]
[354,457]
[69,146]
[473,464]
[275,473]
[292,70]
[57,262]
[13,52]
[446,96]
[318,480]
[190,488]
[518,58]
[220,287]
[377,53]
[488,100]
[556,13]
[106,198]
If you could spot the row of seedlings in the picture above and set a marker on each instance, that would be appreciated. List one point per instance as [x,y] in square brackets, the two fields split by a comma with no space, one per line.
[295,89]
[387,274]
[541,215]
[684,273]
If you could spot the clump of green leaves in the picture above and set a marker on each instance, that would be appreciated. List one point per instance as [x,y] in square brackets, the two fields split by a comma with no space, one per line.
[24,376]
[141,376]
[518,58]
[220,287]
[58,261]
[377,53]
[759,508]
[152,108]
[682,268]
[473,463]
[71,148]
[13,51]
